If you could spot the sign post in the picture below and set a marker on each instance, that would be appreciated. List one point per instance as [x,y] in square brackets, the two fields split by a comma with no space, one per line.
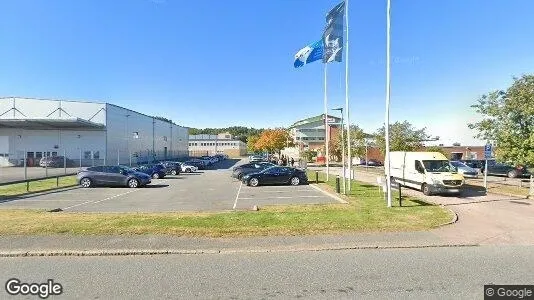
[487,155]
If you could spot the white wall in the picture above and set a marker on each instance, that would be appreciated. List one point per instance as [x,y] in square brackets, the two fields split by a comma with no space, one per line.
[61,141]
[150,139]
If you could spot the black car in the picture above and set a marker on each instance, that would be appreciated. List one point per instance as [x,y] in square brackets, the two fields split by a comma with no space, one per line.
[111,176]
[239,171]
[276,175]
[497,168]
[155,171]
[172,167]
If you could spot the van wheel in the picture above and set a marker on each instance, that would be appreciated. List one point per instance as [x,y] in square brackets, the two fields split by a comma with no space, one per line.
[426,189]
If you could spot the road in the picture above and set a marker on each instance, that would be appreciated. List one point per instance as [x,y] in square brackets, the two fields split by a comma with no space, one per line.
[422,273]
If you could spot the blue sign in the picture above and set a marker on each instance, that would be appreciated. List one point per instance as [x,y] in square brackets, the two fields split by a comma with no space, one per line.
[487,151]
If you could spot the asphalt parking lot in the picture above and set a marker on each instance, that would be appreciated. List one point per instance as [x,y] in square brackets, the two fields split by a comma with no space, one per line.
[203,191]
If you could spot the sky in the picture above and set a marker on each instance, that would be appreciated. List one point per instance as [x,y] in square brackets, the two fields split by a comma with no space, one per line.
[230,63]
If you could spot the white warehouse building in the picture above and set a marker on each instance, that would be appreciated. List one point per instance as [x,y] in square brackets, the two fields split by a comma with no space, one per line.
[89,132]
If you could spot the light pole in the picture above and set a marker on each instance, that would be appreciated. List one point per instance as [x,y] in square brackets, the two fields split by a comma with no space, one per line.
[342,148]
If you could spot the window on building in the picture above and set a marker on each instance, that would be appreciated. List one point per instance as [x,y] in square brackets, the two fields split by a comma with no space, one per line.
[87,155]
[322,139]
[54,153]
[298,138]
[30,154]
[96,154]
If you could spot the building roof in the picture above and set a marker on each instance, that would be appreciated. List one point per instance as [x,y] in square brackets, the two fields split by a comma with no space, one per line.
[313,119]
[70,123]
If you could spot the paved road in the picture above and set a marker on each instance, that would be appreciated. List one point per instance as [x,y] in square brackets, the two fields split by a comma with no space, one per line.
[483,218]
[425,273]
[8,174]
[206,190]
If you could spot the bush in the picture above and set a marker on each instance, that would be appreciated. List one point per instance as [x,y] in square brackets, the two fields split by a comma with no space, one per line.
[309,155]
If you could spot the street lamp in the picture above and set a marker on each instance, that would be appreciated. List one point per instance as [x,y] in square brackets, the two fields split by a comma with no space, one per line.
[340,109]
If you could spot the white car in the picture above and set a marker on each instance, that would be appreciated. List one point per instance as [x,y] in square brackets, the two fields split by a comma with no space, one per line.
[187,168]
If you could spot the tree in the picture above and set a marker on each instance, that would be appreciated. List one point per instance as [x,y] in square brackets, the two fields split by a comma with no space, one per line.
[273,140]
[251,143]
[164,119]
[436,149]
[402,137]
[357,142]
[509,121]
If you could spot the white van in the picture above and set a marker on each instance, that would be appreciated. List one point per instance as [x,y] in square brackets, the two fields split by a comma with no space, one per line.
[430,172]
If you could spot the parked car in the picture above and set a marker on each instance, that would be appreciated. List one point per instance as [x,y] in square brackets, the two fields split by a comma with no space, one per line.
[497,168]
[155,171]
[464,169]
[276,175]
[111,176]
[172,168]
[187,167]
[239,171]
[197,163]
[374,163]
[55,162]
[255,158]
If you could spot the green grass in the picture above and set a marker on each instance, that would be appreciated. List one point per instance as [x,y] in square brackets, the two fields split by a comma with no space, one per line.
[18,189]
[366,212]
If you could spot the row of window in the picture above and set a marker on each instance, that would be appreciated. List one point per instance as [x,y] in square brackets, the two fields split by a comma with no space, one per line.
[213,144]
[311,138]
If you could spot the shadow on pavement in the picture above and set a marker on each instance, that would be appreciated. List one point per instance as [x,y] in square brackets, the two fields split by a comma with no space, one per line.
[473,191]
[225,164]
[150,186]
[4,199]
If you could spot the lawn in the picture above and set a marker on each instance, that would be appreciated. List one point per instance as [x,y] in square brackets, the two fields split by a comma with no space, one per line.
[366,212]
[36,186]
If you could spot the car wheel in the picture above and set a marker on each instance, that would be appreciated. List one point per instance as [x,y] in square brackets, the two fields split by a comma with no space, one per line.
[426,189]
[133,183]
[86,182]
[155,176]
[188,170]
[295,181]
[173,172]
[512,174]
[254,182]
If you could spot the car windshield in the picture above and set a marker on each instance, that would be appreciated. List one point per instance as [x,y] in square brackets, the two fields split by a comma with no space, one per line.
[438,166]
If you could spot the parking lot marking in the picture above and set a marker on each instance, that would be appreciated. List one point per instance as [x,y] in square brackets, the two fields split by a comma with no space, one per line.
[98,201]
[237,196]
[330,195]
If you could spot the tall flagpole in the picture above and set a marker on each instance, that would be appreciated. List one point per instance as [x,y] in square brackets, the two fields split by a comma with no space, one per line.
[388,94]
[326,126]
[347,91]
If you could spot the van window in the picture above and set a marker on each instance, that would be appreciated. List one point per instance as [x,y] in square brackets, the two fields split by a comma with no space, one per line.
[418,166]
[438,166]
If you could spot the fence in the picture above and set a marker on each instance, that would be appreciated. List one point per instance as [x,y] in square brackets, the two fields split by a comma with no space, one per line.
[28,165]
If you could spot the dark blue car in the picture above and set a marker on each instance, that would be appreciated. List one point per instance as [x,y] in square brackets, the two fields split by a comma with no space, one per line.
[155,171]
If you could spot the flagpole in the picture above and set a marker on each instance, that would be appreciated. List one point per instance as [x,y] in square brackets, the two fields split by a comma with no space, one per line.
[327,127]
[388,95]
[347,91]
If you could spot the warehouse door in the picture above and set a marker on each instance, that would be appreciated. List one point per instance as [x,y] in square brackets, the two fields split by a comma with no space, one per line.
[165,152]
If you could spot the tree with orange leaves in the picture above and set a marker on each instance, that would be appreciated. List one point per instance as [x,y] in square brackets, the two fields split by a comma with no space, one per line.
[273,140]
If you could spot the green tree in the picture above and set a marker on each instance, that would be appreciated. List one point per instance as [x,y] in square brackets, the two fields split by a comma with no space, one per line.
[436,149]
[251,143]
[508,121]
[357,142]
[402,137]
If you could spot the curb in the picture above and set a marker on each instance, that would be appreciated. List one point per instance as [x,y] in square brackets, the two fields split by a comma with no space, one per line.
[454,217]
[316,187]
[117,252]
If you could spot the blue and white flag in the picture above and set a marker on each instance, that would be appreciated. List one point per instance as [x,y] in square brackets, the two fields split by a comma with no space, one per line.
[308,54]
[333,34]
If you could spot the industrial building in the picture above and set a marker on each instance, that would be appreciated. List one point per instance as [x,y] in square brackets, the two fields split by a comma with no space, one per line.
[211,144]
[310,133]
[87,132]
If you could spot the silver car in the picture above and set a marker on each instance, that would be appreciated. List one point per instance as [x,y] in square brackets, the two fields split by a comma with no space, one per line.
[464,169]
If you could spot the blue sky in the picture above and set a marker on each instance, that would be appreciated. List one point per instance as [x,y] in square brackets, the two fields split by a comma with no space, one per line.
[221,63]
